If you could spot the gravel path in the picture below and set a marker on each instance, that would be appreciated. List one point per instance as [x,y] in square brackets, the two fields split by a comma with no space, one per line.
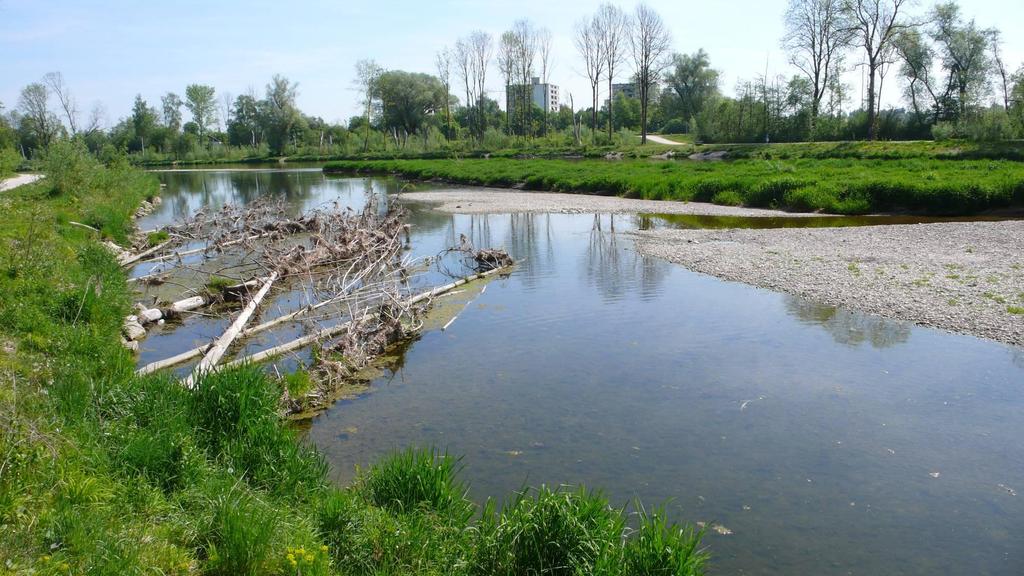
[660,140]
[19,180]
[502,201]
[965,277]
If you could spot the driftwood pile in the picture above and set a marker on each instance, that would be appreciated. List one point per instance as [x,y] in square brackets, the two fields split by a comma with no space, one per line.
[347,264]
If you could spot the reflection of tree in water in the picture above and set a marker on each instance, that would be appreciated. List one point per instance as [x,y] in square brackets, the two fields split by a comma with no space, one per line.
[846,327]
[616,272]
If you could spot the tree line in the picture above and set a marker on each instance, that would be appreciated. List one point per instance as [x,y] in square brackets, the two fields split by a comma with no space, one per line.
[951,74]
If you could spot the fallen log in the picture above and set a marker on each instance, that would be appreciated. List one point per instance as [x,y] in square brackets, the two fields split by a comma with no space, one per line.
[332,331]
[192,251]
[135,258]
[216,352]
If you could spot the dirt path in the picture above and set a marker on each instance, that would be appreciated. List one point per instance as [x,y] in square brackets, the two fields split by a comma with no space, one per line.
[662,140]
[19,180]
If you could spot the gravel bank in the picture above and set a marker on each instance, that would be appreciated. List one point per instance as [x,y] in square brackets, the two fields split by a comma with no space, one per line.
[964,277]
[501,201]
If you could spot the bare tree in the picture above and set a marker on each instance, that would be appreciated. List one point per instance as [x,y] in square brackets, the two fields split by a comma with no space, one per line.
[526,55]
[507,67]
[816,35]
[612,27]
[544,51]
[367,74]
[55,81]
[875,25]
[472,58]
[650,41]
[443,63]
[97,117]
[588,44]
[995,38]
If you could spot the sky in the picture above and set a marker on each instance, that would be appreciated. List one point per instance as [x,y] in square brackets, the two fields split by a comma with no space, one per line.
[109,51]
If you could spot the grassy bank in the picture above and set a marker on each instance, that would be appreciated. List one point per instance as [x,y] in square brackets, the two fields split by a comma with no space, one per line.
[103,472]
[836,186]
[854,150]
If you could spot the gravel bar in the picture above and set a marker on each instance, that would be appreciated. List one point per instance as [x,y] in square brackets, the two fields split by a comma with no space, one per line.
[965,277]
[504,201]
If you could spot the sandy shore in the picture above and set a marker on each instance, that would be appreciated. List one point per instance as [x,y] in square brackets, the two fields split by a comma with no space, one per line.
[496,200]
[964,277]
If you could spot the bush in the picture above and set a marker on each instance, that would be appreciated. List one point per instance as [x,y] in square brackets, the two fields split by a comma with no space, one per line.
[9,161]
[674,126]
[69,167]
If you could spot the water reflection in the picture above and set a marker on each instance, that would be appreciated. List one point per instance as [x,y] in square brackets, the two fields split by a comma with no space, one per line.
[847,327]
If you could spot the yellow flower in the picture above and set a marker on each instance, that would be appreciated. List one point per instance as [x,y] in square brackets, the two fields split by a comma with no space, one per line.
[323,549]
[45,558]
[64,566]
[290,557]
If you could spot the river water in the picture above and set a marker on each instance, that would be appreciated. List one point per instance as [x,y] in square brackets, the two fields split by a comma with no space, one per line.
[826,441]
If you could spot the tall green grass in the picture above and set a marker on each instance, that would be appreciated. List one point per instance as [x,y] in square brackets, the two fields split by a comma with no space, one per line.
[835,186]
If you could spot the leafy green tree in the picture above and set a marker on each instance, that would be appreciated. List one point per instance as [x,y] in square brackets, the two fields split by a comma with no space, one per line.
[963,49]
[408,101]
[244,125]
[38,125]
[201,102]
[279,114]
[144,121]
[171,107]
[692,79]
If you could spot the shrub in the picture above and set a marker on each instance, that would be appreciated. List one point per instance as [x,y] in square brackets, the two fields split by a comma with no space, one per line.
[69,167]
[9,161]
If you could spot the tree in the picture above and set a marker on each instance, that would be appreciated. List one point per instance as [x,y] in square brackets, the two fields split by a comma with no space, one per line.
[588,44]
[915,66]
[507,67]
[816,34]
[544,52]
[408,100]
[244,127]
[38,121]
[443,62]
[201,102]
[649,41]
[964,53]
[55,81]
[874,26]
[170,104]
[279,113]
[144,120]
[367,73]
[612,27]
[526,53]
[995,41]
[693,80]
[472,58]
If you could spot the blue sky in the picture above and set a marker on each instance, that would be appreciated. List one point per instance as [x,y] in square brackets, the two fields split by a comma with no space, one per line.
[110,50]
